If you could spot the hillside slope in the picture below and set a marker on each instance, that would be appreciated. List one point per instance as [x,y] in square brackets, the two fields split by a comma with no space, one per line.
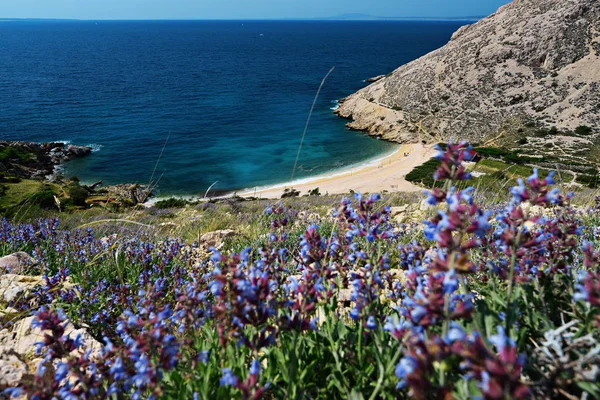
[537,60]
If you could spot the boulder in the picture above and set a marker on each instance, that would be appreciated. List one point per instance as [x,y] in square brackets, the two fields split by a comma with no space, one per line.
[216,239]
[129,194]
[37,160]
[16,263]
[375,78]
[345,295]
[23,336]
[78,151]
[12,368]
[400,210]
[14,286]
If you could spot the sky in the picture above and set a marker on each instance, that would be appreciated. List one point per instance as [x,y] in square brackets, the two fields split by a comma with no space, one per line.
[241,9]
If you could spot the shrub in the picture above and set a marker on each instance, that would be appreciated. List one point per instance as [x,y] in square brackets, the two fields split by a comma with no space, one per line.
[583,130]
[506,155]
[171,203]
[290,192]
[591,181]
[10,153]
[314,192]
[423,174]
[77,194]
[44,198]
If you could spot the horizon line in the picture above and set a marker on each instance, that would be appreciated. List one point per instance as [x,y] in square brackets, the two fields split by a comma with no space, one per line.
[367,18]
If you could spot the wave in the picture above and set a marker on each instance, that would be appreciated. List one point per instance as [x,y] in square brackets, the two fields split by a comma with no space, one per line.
[95,147]
[336,105]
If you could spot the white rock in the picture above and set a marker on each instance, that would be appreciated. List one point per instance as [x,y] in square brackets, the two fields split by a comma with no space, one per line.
[15,263]
[12,286]
[217,238]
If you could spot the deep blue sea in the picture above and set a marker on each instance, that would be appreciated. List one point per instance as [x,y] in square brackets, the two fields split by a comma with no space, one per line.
[232,97]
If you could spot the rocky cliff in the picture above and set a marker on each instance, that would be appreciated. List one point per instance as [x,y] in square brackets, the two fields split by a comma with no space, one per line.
[535,60]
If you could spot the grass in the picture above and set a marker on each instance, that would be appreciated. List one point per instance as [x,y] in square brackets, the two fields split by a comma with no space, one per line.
[16,198]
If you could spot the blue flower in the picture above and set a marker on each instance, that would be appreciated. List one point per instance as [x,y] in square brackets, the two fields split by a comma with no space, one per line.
[455,333]
[501,340]
[14,392]
[534,176]
[371,323]
[204,356]
[405,367]
[117,370]
[519,193]
[450,282]
[255,368]
[61,371]
[228,378]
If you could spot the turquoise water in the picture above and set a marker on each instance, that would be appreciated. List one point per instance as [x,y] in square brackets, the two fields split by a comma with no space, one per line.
[227,100]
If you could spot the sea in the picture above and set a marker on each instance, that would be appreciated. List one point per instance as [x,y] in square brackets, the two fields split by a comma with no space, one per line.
[188,105]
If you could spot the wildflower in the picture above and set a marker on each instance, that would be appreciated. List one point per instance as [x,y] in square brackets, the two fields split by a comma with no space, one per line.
[371,323]
[255,367]
[228,378]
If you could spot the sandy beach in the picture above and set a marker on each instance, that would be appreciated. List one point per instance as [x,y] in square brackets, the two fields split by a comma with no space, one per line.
[387,173]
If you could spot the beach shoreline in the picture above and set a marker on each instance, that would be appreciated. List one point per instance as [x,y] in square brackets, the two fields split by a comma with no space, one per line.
[385,173]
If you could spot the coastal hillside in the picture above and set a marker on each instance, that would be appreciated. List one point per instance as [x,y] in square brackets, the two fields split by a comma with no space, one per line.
[533,62]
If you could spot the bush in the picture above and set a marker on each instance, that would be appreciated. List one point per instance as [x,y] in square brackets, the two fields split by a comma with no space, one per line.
[290,192]
[506,155]
[423,174]
[591,181]
[10,153]
[44,198]
[173,202]
[583,130]
[77,194]
[314,192]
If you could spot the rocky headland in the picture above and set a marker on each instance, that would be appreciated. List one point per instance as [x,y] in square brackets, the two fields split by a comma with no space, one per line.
[30,160]
[533,60]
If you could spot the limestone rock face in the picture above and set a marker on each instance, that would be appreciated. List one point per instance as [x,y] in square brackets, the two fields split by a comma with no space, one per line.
[533,59]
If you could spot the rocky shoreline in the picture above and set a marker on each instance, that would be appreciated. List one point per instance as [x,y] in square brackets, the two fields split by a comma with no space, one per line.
[31,160]
[43,162]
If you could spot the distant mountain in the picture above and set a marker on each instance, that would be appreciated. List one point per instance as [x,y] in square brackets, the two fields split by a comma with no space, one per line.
[367,17]
[36,20]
